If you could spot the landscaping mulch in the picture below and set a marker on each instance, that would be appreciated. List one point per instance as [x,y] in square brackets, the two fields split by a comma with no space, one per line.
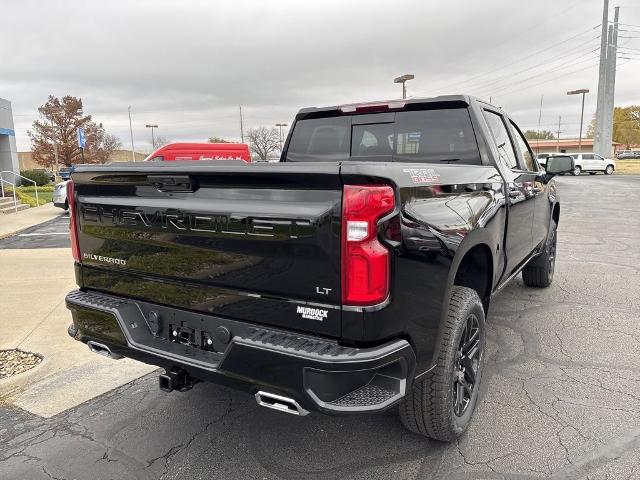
[13,362]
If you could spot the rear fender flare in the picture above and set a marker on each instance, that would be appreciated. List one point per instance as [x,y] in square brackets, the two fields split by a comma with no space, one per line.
[473,239]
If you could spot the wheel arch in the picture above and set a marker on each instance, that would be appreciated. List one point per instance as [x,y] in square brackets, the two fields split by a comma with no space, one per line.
[478,258]
[476,247]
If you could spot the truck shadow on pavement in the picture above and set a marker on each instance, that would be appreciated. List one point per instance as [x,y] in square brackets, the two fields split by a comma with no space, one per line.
[137,431]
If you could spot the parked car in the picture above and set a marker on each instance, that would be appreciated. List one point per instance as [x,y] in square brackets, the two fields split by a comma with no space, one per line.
[200,151]
[60,195]
[351,277]
[629,155]
[592,163]
[65,172]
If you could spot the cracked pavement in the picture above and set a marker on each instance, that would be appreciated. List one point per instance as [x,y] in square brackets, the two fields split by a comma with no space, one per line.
[560,398]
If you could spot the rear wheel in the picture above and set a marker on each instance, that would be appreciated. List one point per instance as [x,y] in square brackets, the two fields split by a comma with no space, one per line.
[441,404]
[539,272]
[576,170]
[608,170]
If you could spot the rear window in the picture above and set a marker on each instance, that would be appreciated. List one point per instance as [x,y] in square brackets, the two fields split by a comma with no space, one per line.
[444,135]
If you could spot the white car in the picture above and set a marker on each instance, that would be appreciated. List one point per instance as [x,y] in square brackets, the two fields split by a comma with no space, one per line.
[592,163]
[60,195]
[584,162]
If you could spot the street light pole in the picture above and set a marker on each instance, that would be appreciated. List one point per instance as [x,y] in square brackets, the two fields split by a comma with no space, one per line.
[153,139]
[280,125]
[403,80]
[582,91]
[133,149]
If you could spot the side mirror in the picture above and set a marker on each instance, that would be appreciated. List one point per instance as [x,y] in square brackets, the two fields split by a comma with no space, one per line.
[557,164]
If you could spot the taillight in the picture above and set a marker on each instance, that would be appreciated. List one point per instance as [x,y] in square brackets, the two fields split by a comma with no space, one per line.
[73,224]
[365,261]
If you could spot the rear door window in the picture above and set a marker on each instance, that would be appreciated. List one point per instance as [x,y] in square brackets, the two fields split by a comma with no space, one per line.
[526,156]
[501,136]
[320,139]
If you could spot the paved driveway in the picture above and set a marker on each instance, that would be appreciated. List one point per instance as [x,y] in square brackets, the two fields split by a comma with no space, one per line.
[561,398]
[51,234]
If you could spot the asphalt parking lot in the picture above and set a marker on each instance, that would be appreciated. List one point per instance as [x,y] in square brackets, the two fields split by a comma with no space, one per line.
[561,397]
[51,234]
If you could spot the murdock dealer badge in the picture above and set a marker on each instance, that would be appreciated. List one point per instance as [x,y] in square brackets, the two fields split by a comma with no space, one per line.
[311,313]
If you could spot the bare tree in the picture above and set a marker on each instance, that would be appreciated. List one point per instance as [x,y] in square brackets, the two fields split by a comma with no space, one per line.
[160,141]
[105,148]
[263,141]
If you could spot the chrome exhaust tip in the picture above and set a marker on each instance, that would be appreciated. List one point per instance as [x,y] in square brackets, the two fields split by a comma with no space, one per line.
[101,349]
[280,403]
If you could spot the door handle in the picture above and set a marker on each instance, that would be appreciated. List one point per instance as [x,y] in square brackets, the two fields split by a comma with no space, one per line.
[173,183]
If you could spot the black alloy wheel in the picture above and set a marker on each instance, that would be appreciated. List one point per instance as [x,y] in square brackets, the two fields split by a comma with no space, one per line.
[551,254]
[467,365]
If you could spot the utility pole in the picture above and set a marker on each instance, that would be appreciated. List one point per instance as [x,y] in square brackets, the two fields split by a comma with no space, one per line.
[133,149]
[558,135]
[539,120]
[602,72]
[241,126]
[612,53]
[153,139]
[606,83]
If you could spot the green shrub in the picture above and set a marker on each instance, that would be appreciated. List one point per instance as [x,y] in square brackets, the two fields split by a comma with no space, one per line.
[38,176]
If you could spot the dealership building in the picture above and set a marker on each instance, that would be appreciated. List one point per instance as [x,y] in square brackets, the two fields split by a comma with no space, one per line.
[8,150]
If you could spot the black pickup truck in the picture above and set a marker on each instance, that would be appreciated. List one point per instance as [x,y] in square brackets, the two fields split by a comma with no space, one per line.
[352,276]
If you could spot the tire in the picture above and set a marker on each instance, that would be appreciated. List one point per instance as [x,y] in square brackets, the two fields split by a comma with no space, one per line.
[539,272]
[431,407]
[608,170]
[576,171]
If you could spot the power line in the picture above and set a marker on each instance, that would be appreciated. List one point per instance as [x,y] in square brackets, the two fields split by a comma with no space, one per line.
[519,60]
[546,63]
[546,72]
[504,94]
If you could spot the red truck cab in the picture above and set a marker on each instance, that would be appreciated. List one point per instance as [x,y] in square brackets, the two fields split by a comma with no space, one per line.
[200,151]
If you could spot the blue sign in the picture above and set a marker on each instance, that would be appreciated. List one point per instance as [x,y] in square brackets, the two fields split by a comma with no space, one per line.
[413,137]
[81,140]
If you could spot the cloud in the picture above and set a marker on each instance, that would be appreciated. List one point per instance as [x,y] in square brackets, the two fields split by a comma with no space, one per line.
[188,65]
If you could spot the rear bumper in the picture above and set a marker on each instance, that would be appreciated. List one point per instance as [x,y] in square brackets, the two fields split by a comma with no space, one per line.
[319,373]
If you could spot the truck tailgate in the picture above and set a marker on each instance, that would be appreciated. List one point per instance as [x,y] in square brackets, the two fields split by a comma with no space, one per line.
[253,242]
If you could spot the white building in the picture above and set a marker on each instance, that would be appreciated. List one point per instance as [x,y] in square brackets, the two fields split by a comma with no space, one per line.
[8,150]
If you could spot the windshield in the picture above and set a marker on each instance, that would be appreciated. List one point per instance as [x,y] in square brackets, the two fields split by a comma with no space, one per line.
[444,135]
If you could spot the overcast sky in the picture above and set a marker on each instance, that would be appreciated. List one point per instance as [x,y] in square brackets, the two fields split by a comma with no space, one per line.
[188,65]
